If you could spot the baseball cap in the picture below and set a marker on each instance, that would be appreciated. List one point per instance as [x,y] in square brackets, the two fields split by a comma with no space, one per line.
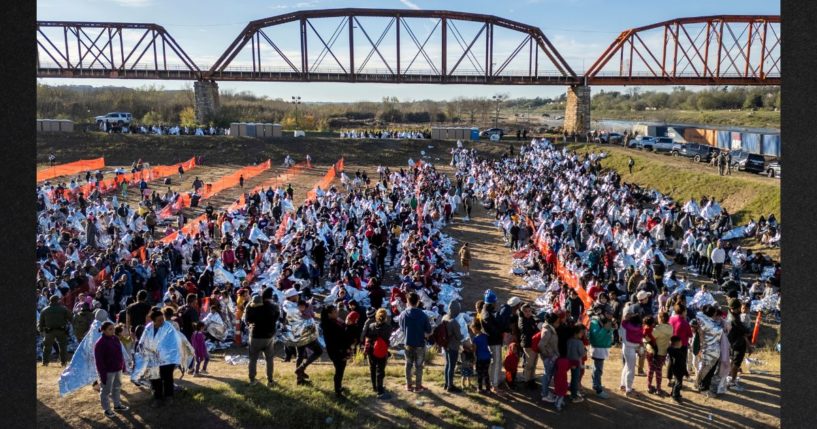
[514,301]
[643,295]
[490,297]
[291,292]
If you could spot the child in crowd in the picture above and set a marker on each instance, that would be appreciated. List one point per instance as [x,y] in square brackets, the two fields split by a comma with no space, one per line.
[657,342]
[576,353]
[677,367]
[127,341]
[199,346]
[663,300]
[511,364]
[467,365]
[483,355]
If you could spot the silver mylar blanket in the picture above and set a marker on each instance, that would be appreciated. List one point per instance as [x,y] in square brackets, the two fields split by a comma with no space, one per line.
[81,371]
[167,347]
[299,331]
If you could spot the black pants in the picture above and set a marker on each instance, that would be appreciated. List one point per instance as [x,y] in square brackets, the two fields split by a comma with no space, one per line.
[679,383]
[377,370]
[340,367]
[707,380]
[302,361]
[718,272]
[482,374]
[163,387]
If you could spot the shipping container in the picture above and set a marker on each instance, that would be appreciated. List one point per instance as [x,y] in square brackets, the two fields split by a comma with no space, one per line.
[724,139]
[701,136]
[750,142]
[39,125]
[277,130]
[771,145]
[234,131]
[735,141]
[66,126]
[242,129]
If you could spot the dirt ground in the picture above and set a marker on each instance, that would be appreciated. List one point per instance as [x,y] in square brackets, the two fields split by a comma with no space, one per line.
[224,398]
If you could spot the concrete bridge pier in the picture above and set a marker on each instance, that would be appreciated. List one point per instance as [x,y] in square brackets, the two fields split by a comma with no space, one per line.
[577,110]
[207,104]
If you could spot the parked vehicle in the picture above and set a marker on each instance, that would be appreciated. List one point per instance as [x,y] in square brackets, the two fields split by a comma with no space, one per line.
[114,118]
[745,161]
[773,169]
[698,152]
[491,131]
[663,144]
[642,142]
[610,138]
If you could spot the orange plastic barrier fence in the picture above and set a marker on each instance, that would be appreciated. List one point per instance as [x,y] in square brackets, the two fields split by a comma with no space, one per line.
[223,183]
[564,274]
[111,185]
[275,181]
[330,175]
[70,168]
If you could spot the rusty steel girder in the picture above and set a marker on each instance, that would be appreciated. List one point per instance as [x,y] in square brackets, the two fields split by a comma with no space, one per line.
[439,69]
[108,50]
[710,50]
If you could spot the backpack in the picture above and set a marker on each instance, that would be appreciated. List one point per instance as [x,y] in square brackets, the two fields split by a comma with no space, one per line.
[534,340]
[440,334]
[380,349]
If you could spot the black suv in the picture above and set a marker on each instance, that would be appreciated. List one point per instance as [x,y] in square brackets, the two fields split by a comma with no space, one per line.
[743,160]
[698,152]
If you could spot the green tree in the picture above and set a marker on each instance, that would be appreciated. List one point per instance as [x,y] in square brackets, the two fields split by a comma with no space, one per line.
[187,117]
[152,118]
[754,101]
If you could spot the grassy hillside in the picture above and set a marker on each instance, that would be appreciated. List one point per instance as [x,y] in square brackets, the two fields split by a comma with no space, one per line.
[736,118]
[745,196]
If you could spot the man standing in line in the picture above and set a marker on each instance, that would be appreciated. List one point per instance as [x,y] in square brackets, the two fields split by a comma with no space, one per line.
[416,327]
[718,258]
[261,315]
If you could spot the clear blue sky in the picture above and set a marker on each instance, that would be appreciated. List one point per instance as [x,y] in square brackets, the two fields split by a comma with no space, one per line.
[579,29]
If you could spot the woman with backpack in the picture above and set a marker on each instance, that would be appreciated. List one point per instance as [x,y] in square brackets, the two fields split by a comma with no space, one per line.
[377,335]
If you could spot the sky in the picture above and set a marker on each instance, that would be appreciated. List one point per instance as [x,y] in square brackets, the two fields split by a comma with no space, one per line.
[579,29]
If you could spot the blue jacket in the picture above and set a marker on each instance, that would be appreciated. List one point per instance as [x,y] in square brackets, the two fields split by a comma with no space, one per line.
[481,345]
[415,325]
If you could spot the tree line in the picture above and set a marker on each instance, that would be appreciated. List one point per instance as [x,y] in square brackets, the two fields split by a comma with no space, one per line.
[154,105]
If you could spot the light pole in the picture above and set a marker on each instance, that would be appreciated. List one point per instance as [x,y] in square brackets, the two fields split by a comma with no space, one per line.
[296,100]
[498,98]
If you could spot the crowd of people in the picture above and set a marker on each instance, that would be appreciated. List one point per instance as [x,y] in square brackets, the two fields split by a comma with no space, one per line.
[385,134]
[368,267]
[163,130]
[619,242]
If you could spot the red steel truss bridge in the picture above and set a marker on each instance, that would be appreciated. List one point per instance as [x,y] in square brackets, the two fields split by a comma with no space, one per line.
[420,46]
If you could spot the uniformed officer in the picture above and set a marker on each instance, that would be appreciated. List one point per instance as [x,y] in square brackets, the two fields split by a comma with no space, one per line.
[53,325]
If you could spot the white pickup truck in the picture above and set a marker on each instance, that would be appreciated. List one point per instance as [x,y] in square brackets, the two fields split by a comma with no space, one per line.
[114,118]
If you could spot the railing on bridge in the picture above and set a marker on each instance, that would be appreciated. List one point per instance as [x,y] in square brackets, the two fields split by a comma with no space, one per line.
[110,50]
[415,46]
[458,48]
[712,50]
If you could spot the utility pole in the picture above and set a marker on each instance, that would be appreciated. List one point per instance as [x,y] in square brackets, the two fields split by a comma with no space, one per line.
[498,98]
[296,100]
